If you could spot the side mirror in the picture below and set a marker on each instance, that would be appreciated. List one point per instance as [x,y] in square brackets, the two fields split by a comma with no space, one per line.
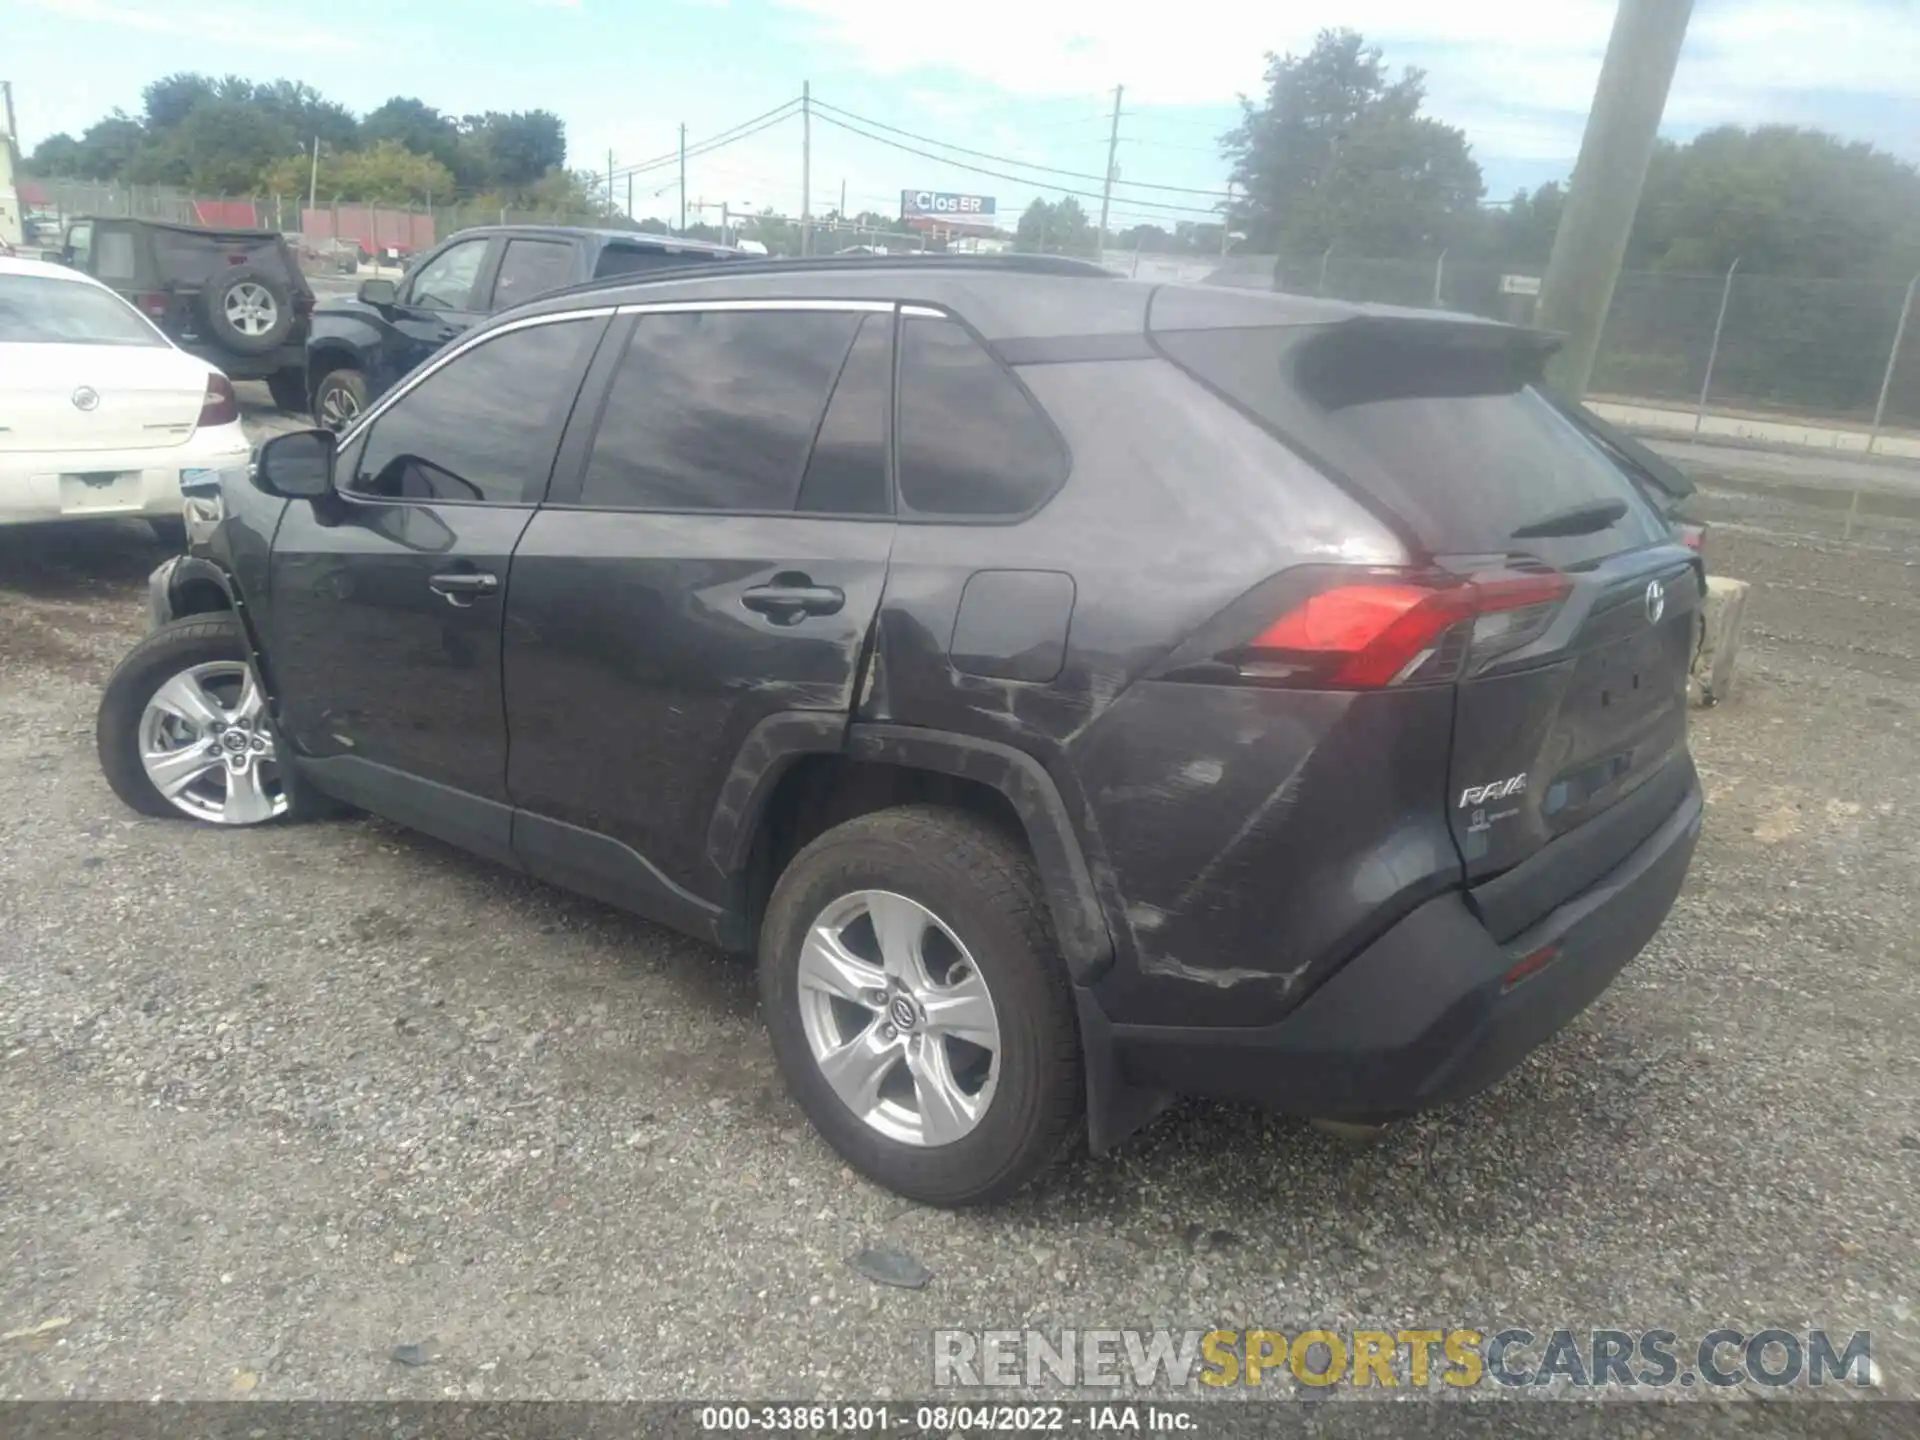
[378,292]
[298,466]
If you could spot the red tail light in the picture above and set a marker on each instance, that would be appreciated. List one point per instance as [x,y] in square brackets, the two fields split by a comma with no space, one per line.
[1388,627]
[152,302]
[221,406]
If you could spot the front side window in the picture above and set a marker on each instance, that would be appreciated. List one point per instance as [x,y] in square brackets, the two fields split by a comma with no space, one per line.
[529,268]
[446,281]
[481,428]
[50,310]
[80,243]
[716,410]
[971,442]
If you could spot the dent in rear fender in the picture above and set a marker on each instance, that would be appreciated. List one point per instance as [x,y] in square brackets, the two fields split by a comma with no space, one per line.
[1259,838]
[1079,923]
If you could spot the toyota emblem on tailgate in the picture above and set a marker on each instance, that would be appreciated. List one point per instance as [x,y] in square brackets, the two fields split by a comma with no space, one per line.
[1656,601]
[86,398]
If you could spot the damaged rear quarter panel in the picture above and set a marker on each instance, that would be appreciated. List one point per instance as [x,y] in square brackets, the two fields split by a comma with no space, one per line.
[1260,837]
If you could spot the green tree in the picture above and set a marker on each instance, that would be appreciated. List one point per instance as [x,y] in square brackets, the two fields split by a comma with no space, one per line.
[510,151]
[387,173]
[1784,201]
[1338,153]
[415,125]
[1055,227]
[170,99]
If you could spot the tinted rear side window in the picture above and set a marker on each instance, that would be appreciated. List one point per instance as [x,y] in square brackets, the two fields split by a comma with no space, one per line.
[971,442]
[1445,431]
[848,472]
[716,410]
[529,268]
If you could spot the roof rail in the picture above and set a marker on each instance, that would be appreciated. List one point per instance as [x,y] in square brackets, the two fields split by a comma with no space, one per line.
[814,264]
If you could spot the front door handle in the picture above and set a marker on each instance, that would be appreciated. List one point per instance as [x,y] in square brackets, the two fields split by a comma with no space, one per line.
[789,604]
[463,587]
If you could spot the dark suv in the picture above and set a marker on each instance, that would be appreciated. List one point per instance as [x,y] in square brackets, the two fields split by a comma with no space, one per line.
[1076,691]
[235,298]
[362,346]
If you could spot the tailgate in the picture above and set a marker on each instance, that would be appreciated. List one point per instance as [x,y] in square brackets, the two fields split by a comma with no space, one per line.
[1595,710]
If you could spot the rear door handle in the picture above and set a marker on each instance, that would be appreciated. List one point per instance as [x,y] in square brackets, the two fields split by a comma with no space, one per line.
[790,604]
[463,587]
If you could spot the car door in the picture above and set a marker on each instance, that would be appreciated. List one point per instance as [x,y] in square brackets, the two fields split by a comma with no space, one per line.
[712,555]
[386,598]
[439,302]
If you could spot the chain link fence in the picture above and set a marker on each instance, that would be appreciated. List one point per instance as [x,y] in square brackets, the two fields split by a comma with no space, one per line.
[1763,346]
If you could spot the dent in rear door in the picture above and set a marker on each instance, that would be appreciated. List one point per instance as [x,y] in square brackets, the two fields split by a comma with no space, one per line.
[648,633]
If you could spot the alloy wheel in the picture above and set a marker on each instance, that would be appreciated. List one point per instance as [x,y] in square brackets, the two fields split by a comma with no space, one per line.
[338,407]
[206,746]
[251,309]
[899,1018]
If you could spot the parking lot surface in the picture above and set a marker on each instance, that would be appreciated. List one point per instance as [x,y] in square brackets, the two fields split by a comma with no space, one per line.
[275,1104]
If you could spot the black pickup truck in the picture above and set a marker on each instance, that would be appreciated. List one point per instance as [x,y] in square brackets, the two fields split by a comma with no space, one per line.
[360,348]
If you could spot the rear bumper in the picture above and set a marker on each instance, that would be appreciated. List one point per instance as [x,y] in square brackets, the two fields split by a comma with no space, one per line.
[39,486]
[1424,1015]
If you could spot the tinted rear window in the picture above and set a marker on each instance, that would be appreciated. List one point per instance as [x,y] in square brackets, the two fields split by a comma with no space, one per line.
[49,310]
[1442,425]
[189,259]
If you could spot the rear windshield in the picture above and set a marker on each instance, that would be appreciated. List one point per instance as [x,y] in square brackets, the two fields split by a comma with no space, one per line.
[633,259]
[43,310]
[185,258]
[1442,425]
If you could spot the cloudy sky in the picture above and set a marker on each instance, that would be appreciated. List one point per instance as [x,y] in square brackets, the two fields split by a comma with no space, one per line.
[1029,80]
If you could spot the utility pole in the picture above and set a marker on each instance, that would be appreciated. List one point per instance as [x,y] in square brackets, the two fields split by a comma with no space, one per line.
[1113,147]
[683,177]
[843,197]
[313,181]
[806,167]
[609,179]
[1226,221]
[1591,242]
[724,222]
[630,197]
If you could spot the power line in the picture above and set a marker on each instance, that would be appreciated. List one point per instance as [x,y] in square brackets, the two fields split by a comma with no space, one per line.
[741,131]
[1009,160]
[1003,175]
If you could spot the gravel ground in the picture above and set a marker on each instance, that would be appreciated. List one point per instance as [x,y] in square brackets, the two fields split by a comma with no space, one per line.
[275,1103]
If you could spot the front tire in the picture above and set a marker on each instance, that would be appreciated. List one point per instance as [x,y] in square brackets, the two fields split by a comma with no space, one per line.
[339,398]
[183,732]
[918,1005]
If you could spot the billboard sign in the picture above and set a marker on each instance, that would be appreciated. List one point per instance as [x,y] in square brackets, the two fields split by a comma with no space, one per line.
[945,205]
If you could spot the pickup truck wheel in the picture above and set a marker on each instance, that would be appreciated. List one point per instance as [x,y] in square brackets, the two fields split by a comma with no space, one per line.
[339,398]
[289,390]
[183,730]
[918,1006]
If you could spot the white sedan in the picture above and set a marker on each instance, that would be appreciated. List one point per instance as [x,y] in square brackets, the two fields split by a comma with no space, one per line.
[100,414]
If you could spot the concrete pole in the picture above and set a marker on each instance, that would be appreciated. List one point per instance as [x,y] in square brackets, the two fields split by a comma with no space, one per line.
[806,167]
[683,177]
[313,179]
[1713,350]
[1325,255]
[1113,146]
[1893,359]
[1621,128]
[1439,274]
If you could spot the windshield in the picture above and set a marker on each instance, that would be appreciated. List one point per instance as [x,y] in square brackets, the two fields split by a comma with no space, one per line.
[47,310]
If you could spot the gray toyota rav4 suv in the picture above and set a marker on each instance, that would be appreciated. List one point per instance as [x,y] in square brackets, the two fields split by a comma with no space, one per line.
[1076,692]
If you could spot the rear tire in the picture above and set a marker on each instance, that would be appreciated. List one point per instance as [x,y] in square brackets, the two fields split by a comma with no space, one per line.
[170,531]
[204,660]
[978,888]
[247,310]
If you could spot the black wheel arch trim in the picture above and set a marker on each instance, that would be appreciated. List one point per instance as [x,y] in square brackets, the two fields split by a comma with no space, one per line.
[1079,922]
[777,742]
